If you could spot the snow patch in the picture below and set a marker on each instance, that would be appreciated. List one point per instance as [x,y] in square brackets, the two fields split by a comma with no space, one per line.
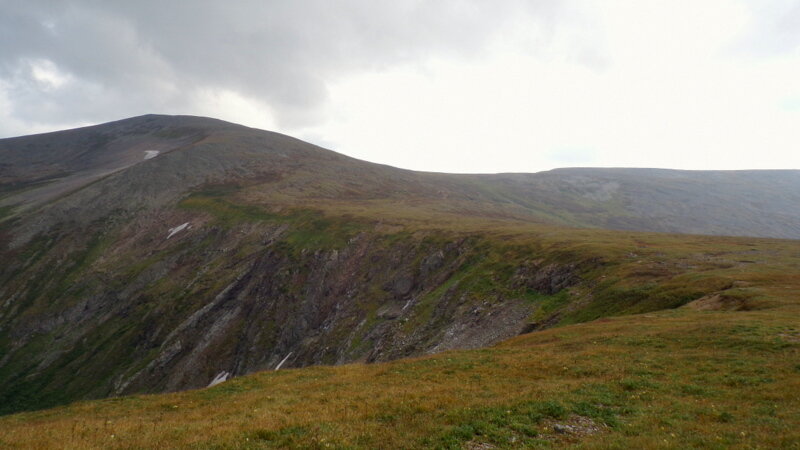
[177,229]
[150,154]
[284,360]
[220,378]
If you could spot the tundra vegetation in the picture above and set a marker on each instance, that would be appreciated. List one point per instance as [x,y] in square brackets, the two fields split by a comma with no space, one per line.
[408,309]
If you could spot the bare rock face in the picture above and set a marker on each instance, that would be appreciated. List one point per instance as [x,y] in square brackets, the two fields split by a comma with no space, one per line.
[401,286]
[546,279]
[432,263]
[151,314]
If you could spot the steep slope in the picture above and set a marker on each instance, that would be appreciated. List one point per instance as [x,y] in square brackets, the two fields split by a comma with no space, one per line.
[234,249]
[672,379]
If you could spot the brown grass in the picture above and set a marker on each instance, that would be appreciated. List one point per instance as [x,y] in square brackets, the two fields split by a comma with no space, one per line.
[680,378]
[675,379]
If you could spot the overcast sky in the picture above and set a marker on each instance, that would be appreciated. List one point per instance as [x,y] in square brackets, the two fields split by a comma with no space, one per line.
[440,85]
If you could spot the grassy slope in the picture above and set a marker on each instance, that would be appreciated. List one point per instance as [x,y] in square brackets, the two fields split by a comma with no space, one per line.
[677,378]
[674,379]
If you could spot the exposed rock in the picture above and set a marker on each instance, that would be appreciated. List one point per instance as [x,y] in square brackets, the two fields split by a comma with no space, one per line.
[575,425]
[390,311]
[719,302]
[474,445]
[401,286]
[432,263]
[546,279]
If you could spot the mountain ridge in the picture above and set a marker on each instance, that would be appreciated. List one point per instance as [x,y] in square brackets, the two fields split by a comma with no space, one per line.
[622,198]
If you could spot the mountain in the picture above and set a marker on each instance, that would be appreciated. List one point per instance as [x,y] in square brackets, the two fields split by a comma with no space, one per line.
[273,168]
[159,253]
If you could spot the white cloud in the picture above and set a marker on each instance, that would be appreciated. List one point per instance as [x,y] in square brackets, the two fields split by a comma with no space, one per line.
[47,75]
[666,91]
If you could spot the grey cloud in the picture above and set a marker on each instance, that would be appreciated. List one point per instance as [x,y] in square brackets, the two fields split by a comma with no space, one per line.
[774,29]
[131,57]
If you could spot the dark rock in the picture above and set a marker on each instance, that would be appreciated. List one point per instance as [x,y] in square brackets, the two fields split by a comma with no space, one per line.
[432,263]
[390,312]
[548,279]
[402,286]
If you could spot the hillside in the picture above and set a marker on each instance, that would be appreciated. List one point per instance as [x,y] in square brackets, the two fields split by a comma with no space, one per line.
[674,379]
[157,253]
[275,170]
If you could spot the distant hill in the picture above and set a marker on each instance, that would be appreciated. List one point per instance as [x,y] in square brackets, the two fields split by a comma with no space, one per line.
[39,168]
[156,253]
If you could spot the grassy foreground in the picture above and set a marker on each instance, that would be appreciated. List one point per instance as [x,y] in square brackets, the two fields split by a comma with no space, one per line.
[673,379]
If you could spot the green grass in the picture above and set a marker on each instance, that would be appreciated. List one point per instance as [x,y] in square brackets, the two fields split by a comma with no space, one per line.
[547,305]
[699,388]
[225,212]
[309,228]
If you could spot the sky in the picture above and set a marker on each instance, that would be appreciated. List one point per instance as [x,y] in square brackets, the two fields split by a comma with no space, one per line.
[442,85]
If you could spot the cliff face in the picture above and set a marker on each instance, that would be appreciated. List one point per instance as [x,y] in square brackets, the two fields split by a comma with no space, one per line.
[139,308]
[236,250]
